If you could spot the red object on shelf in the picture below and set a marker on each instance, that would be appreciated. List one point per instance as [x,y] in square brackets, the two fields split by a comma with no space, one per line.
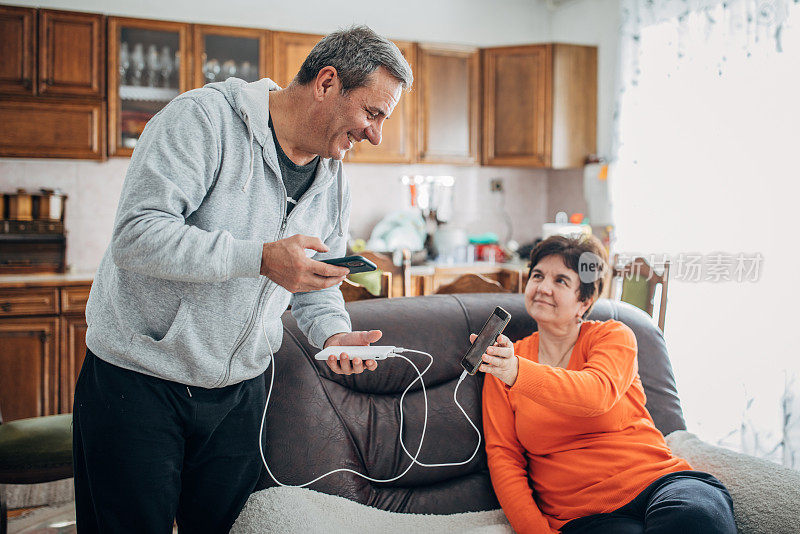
[576,218]
[490,252]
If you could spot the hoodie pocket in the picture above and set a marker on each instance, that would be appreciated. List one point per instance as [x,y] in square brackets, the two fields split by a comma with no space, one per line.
[194,349]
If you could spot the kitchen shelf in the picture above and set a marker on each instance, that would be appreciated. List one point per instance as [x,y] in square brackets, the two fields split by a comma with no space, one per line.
[147,94]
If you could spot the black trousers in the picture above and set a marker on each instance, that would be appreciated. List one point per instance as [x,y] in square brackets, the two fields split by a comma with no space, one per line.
[686,502]
[148,451]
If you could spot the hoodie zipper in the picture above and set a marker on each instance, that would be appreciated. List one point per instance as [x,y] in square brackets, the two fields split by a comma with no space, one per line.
[254,313]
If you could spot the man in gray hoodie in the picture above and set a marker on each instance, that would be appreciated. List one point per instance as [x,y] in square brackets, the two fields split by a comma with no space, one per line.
[234,194]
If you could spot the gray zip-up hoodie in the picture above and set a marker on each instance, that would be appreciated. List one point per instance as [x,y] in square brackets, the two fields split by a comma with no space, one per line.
[178,294]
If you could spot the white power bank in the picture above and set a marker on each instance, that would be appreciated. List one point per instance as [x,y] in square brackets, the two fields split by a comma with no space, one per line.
[368,352]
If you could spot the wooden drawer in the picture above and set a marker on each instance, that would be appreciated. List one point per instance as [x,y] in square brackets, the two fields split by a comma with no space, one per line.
[37,301]
[73,299]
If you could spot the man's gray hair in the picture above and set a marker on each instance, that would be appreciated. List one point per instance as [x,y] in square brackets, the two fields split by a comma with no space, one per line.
[355,53]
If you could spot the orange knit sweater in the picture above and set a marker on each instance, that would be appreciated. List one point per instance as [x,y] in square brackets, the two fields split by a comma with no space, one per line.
[567,443]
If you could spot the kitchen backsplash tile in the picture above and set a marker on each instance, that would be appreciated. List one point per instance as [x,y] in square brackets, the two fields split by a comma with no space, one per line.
[93,192]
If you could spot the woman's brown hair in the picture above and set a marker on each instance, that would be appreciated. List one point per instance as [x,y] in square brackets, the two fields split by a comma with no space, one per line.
[584,253]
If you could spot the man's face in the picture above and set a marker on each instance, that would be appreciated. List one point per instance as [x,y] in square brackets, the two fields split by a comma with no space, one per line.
[359,114]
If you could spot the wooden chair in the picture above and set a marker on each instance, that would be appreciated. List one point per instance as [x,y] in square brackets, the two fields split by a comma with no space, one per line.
[472,283]
[401,276]
[352,291]
[32,451]
[637,283]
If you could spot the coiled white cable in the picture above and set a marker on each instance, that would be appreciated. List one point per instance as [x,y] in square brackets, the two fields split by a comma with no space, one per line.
[402,444]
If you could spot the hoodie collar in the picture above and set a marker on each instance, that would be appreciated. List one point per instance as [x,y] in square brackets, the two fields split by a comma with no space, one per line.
[250,101]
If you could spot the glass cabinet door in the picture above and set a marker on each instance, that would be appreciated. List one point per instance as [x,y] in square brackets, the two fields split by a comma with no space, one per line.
[222,52]
[146,69]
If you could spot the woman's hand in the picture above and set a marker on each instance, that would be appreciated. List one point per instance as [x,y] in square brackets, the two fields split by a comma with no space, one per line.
[499,360]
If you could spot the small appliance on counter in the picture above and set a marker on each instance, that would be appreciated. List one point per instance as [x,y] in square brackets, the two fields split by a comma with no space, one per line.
[575,227]
[32,235]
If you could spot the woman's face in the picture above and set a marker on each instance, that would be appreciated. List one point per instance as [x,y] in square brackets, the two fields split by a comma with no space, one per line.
[552,293]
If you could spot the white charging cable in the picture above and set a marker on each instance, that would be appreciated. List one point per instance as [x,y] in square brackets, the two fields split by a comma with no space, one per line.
[414,460]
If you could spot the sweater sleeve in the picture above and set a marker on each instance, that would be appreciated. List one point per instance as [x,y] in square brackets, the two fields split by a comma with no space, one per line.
[609,371]
[321,314]
[507,462]
[171,171]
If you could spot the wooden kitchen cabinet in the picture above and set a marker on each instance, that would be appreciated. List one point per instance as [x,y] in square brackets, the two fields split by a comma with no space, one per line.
[223,51]
[42,344]
[289,50]
[447,84]
[73,341]
[17,47]
[73,351]
[54,128]
[71,54]
[52,83]
[28,359]
[539,105]
[398,144]
[149,64]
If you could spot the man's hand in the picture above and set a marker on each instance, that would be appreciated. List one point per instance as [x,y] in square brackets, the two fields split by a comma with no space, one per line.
[343,366]
[285,263]
[499,360]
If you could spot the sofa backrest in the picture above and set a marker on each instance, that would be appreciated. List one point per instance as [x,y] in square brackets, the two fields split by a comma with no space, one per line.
[319,421]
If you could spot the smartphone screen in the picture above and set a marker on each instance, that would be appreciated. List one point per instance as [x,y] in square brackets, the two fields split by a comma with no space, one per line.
[356,264]
[488,335]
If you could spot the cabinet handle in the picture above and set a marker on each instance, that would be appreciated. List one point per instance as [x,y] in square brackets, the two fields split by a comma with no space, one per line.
[6,306]
[27,83]
[49,81]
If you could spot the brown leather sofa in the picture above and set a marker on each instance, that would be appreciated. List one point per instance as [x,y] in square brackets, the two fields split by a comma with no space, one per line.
[318,421]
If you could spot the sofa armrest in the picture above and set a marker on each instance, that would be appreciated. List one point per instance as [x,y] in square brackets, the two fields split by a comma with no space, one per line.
[766,496]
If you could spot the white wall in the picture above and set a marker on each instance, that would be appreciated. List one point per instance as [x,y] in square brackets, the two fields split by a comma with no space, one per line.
[594,22]
[475,22]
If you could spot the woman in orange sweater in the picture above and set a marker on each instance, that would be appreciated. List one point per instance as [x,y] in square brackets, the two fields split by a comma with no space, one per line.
[570,444]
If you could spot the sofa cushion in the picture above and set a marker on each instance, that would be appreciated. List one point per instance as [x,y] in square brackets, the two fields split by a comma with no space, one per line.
[319,421]
[292,510]
[766,496]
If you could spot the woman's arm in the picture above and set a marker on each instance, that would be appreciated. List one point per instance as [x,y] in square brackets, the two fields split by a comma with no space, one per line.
[507,462]
[610,368]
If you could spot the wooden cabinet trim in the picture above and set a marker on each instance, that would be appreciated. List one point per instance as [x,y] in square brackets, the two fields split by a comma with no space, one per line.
[115,24]
[71,355]
[48,59]
[26,81]
[43,301]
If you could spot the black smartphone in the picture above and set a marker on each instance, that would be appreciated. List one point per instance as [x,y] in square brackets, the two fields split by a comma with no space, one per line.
[493,327]
[356,264]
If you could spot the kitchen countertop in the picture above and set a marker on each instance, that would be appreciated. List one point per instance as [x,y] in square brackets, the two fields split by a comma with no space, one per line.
[478,267]
[46,279]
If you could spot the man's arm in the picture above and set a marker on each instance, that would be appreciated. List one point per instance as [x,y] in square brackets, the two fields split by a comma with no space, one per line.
[321,314]
[172,169]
